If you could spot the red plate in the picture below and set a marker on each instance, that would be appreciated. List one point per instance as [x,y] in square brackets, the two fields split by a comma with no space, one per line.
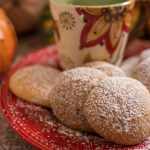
[38,126]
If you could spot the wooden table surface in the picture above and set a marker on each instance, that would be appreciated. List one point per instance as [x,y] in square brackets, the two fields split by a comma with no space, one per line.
[9,140]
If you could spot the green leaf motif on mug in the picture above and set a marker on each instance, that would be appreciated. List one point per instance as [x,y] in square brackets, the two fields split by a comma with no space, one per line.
[67,20]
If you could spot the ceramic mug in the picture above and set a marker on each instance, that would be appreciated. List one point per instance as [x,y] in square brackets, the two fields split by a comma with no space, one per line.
[89,30]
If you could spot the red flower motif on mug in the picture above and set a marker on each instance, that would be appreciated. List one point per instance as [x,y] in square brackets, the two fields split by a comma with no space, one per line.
[105,24]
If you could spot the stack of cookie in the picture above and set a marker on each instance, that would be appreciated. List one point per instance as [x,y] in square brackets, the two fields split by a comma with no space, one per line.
[130,63]
[138,67]
[96,97]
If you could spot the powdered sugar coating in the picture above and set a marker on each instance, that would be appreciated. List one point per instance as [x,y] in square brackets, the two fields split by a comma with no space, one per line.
[118,109]
[144,55]
[142,73]
[33,83]
[111,70]
[69,94]
[128,64]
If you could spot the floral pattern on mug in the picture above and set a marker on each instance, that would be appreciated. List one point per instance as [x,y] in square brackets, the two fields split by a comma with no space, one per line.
[105,24]
[66,62]
[67,20]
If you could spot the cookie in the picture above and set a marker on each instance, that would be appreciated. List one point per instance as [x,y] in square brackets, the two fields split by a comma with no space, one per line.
[128,64]
[33,83]
[144,54]
[69,94]
[109,69]
[142,73]
[118,109]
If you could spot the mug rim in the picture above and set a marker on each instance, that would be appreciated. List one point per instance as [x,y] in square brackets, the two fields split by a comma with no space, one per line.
[95,6]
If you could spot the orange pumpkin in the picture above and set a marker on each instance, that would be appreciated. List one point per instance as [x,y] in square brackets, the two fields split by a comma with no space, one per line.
[8,42]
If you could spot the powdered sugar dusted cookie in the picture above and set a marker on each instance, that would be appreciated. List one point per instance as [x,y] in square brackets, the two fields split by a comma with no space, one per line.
[69,94]
[128,64]
[33,83]
[109,69]
[144,54]
[118,109]
[142,73]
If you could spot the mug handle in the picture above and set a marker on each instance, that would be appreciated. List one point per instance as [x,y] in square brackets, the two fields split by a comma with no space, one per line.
[145,11]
